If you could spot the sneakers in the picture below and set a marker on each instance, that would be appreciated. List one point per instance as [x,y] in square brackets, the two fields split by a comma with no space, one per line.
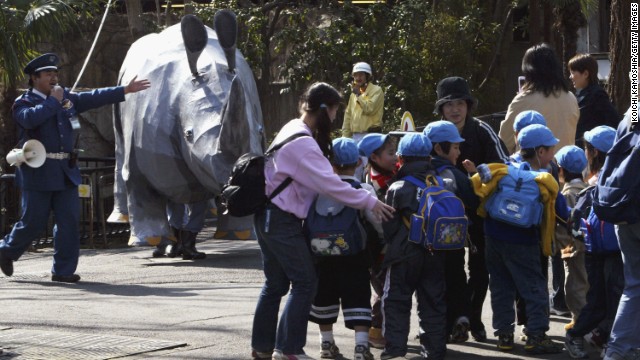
[505,342]
[575,347]
[595,338]
[541,344]
[257,355]
[523,333]
[329,350]
[376,340]
[278,355]
[460,332]
[362,352]
[479,336]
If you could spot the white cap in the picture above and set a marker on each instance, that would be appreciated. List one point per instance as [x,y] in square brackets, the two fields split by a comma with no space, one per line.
[362,67]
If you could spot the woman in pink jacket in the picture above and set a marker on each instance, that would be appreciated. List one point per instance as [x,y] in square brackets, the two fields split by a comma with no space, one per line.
[286,255]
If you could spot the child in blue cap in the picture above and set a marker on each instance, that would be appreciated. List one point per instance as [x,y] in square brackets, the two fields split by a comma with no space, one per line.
[597,143]
[604,269]
[513,252]
[344,279]
[410,267]
[446,149]
[380,152]
[572,162]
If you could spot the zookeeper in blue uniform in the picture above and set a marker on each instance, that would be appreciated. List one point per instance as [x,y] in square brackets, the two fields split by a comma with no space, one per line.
[44,113]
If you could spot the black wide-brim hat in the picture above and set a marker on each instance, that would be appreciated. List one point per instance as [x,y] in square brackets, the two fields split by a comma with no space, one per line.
[453,88]
[43,62]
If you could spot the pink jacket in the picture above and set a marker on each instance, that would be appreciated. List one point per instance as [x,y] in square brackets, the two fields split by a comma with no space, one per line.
[302,160]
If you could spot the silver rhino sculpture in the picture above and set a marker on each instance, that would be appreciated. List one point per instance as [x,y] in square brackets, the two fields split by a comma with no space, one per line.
[179,139]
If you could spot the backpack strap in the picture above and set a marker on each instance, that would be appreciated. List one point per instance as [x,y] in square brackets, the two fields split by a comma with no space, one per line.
[275,147]
[413,180]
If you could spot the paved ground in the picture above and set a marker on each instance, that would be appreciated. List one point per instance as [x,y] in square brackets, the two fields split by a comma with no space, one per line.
[128,298]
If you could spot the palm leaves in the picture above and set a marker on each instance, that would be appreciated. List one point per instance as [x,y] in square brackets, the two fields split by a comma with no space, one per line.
[25,23]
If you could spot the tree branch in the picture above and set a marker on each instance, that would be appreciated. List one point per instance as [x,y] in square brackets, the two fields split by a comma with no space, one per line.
[498,52]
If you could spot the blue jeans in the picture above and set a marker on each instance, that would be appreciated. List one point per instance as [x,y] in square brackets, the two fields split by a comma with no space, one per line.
[287,262]
[189,217]
[626,327]
[36,207]
[516,267]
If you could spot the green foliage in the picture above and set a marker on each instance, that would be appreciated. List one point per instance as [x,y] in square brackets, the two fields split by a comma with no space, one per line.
[410,46]
[25,23]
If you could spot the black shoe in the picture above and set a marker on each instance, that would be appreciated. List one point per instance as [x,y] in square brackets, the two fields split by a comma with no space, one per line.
[505,342]
[159,251]
[6,265]
[189,251]
[479,335]
[66,278]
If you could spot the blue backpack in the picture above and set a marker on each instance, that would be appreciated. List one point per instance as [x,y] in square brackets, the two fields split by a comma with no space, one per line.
[615,199]
[517,199]
[440,222]
[600,237]
[333,228]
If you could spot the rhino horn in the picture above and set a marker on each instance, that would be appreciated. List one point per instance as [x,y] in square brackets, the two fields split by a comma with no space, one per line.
[195,38]
[226,26]
[234,135]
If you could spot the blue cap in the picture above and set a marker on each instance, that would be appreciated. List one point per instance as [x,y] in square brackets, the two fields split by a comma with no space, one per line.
[414,144]
[536,135]
[42,62]
[370,143]
[526,118]
[345,152]
[572,159]
[442,131]
[601,137]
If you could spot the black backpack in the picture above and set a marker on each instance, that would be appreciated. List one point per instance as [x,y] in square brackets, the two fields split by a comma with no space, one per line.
[244,194]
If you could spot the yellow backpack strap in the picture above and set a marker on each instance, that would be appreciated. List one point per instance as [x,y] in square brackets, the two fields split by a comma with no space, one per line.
[406,222]
[431,180]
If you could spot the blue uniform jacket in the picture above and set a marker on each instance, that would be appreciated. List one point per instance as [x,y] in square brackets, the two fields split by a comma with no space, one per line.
[48,122]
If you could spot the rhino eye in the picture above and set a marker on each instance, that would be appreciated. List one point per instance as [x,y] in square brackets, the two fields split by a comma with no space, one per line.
[188,134]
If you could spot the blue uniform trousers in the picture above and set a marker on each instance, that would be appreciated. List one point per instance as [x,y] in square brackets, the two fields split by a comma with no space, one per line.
[36,206]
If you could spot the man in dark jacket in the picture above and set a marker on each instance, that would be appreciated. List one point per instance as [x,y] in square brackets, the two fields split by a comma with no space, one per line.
[46,112]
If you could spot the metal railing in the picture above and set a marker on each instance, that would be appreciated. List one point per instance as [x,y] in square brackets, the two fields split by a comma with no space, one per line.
[96,197]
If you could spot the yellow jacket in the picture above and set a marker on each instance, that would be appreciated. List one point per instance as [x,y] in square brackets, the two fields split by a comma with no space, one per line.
[363,111]
[548,191]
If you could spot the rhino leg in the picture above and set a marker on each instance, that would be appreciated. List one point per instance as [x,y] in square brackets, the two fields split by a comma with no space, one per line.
[147,210]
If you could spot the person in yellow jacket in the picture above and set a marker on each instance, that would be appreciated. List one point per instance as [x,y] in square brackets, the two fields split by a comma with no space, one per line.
[513,252]
[364,110]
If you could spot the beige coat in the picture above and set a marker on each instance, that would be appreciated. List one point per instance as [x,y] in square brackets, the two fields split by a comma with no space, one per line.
[560,110]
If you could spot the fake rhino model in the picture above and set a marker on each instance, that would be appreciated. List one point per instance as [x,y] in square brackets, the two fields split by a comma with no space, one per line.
[179,139]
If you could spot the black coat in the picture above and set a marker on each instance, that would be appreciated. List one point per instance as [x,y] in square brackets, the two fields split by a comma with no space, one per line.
[595,110]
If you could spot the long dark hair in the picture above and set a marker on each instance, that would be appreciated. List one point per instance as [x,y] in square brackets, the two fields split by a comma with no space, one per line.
[542,70]
[318,98]
[597,162]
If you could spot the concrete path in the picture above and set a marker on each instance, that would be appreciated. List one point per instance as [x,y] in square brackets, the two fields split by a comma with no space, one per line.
[207,305]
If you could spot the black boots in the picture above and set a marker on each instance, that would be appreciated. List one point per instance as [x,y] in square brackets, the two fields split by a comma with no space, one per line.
[168,247]
[185,246]
[189,251]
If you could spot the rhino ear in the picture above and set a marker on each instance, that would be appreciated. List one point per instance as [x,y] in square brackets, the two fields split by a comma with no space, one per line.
[235,132]
[226,26]
[195,39]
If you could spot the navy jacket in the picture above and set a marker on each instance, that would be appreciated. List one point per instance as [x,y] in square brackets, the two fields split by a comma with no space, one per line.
[402,196]
[595,109]
[48,122]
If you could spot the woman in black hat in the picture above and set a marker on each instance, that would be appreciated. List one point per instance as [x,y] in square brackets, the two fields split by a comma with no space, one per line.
[482,145]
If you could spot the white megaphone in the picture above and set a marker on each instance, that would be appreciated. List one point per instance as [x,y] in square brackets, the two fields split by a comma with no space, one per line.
[32,153]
